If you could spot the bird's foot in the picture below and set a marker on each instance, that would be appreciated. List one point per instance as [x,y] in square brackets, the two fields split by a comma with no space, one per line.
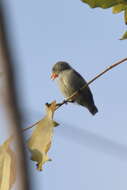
[65,102]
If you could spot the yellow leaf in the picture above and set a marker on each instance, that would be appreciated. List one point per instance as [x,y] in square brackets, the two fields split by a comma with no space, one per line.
[7,166]
[40,141]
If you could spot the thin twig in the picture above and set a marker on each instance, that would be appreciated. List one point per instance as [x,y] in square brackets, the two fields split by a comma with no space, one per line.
[27,128]
[92,80]
[70,98]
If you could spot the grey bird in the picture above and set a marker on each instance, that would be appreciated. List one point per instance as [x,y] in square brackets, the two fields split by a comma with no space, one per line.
[69,81]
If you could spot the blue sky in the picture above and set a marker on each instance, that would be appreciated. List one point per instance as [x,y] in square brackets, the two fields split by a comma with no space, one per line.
[88,152]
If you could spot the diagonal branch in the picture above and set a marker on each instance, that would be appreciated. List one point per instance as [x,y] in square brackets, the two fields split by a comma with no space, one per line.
[77,92]
[92,80]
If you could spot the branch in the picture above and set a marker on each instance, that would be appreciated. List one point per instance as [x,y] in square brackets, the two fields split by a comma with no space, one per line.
[27,128]
[92,80]
[69,99]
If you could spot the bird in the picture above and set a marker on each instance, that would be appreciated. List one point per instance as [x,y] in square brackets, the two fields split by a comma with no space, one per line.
[70,81]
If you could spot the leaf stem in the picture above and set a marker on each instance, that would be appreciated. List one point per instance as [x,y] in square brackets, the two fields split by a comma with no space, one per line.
[27,128]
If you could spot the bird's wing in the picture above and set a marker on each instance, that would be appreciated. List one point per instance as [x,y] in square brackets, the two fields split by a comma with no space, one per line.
[73,81]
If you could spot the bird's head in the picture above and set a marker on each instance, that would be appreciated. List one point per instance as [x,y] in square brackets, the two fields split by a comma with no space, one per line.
[58,68]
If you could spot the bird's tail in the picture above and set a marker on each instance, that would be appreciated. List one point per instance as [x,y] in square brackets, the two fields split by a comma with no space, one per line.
[93,110]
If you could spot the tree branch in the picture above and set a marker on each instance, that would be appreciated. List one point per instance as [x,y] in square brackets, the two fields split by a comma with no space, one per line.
[92,80]
[70,98]
[27,128]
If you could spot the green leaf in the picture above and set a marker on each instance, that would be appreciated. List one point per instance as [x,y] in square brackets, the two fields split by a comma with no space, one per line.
[103,3]
[125,16]
[118,8]
[124,36]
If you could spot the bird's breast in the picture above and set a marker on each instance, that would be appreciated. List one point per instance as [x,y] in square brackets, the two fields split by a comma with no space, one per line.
[65,87]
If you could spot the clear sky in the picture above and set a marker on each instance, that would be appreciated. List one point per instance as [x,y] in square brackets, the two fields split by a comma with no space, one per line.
[88,152]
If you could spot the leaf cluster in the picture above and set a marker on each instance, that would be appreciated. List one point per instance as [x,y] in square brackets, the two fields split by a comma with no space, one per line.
[116,5]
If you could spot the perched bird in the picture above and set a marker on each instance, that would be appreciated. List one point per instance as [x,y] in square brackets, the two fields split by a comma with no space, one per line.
[69,81]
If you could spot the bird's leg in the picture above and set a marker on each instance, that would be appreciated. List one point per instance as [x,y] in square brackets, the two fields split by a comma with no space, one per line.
[65,102]
[60,104]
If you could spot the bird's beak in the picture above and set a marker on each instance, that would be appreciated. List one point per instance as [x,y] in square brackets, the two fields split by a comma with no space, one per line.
[54,76]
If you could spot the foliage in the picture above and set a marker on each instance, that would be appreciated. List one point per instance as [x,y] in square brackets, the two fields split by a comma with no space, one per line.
[124,36]
[7,165]
[116,5]
[40,141]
